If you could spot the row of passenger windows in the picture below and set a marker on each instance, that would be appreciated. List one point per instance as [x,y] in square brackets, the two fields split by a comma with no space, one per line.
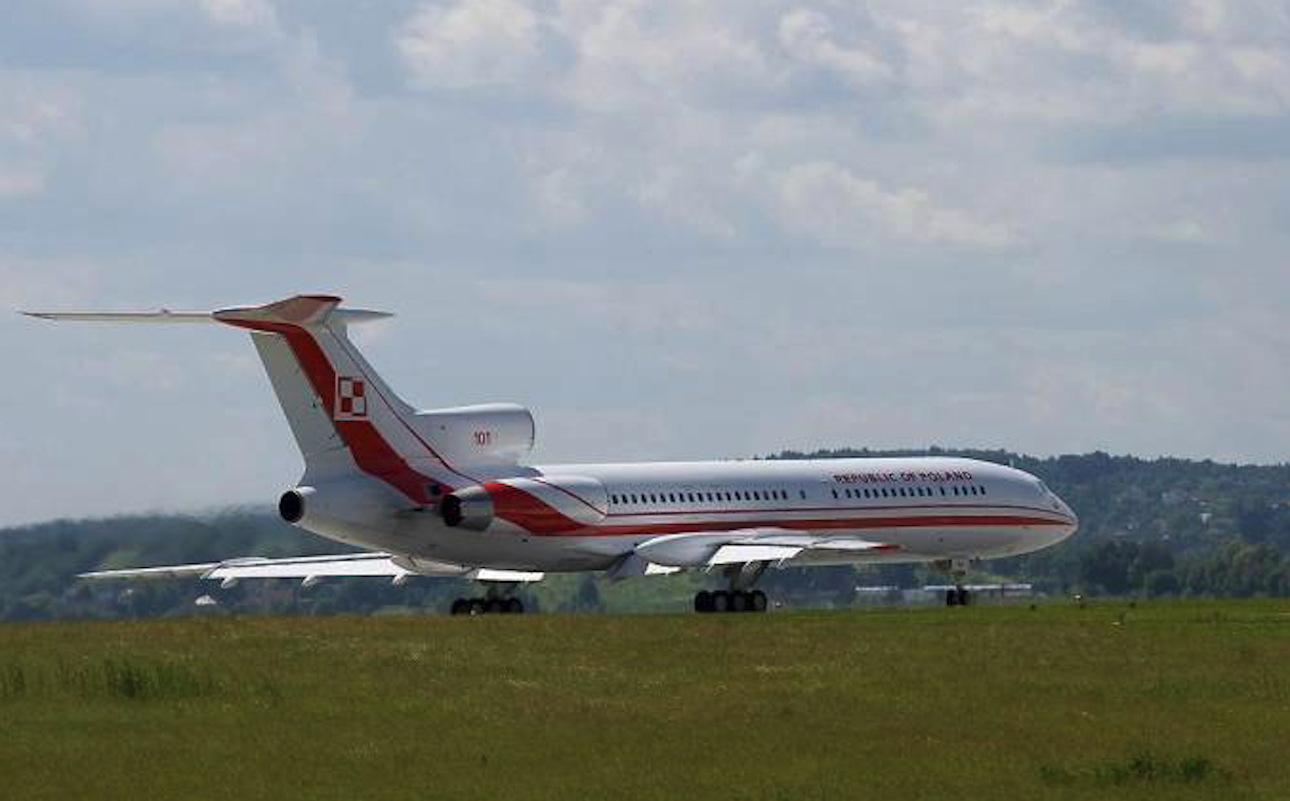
[908,492]
[639,498]
[701,497]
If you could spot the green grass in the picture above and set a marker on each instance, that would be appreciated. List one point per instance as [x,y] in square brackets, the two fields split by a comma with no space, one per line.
[1176,701]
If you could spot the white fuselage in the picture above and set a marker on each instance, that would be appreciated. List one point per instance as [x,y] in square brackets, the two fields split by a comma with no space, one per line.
[586,517]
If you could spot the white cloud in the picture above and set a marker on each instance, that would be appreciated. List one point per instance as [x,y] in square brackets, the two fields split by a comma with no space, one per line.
[472,43]
[630,56]
[1181,230]
[559,199]
[21,180]
[828,201]
[35,123]
[810,37]
[243,13]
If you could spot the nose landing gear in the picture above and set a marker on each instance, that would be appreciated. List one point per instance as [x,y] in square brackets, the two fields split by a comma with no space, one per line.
[958,595]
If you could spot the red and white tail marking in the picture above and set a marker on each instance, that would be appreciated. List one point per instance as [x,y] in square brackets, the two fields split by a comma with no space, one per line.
[351,402]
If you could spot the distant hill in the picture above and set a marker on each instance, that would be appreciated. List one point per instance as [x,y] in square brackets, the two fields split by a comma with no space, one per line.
[1164,526]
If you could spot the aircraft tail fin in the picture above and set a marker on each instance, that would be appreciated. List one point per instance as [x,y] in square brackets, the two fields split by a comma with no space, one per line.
[341,412]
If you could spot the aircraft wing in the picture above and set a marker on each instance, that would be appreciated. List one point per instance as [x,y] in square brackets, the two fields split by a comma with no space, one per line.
[778,546]
[772,547]
[313,568]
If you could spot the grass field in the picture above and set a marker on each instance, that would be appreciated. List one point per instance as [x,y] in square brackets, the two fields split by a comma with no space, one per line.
[1182,700]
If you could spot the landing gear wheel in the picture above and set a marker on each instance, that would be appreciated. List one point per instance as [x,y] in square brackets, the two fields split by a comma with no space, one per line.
[757,601]
[495,606]
[476,606]
[514,606]
[965,597]
[703,601]
[739,602]
[720,601]
[460,606]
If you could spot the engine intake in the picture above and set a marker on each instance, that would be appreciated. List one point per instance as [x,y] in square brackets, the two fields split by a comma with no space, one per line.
[470,508]
[291,506]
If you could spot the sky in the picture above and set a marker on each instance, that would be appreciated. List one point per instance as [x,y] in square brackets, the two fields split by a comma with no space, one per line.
[674,230]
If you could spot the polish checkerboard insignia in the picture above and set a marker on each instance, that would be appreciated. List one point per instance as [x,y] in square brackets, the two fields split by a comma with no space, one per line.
[351,398]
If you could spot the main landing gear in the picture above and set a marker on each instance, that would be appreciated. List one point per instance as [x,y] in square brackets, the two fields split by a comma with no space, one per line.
[740,597]
[959,596]
[730,601]
[488,606]
[498,600]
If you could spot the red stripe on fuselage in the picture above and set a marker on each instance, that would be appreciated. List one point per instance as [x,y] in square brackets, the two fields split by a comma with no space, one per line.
[539,518]
[811,524]
[530,513]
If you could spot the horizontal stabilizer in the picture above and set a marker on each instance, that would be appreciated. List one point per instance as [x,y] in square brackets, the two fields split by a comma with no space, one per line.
[163,316]
[298,310]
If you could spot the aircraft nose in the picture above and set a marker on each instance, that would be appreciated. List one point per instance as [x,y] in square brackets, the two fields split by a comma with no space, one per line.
[1068,513]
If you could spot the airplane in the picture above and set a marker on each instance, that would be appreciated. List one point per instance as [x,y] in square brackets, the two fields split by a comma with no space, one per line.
[446,492]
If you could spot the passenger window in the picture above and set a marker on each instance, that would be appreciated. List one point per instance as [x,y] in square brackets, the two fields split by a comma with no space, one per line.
[803,492]
[835,493]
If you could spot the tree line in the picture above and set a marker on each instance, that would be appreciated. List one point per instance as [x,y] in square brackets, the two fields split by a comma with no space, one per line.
[1162,527]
